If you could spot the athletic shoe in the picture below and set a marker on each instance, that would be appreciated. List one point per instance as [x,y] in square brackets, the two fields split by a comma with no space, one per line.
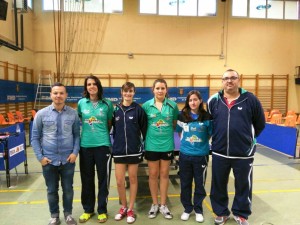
[153,211]
[102,218]
[240,220]
[130,216]
[70,220]
[221,220]
[199,217]
[185,216]
[122,213]
[85,217]
[54,221]
[165,211]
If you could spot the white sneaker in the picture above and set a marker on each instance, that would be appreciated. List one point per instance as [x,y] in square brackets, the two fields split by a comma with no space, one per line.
[130,216]
[153,211]
[199,217]
[165,211]
[122,213]
[185,216]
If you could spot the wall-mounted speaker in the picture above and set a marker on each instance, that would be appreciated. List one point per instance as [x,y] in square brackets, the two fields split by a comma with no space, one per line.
[3,9]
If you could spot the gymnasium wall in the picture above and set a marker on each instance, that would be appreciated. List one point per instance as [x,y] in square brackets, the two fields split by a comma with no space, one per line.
[164,45]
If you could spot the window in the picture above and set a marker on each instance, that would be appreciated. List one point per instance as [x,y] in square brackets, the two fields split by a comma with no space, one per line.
[29,3]
[94,6]
[50,5]
[276,10]
[267,9]
[239,8]
[179,7]
[257,8]
[291,10]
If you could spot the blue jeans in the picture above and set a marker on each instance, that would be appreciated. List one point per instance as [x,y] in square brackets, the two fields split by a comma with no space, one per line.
[192,168]
[52,175]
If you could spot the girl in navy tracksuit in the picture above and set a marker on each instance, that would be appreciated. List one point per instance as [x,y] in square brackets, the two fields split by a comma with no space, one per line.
[129,129]
[195,126]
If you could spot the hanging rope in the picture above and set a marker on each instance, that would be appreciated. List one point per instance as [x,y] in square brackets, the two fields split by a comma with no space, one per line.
[78,36]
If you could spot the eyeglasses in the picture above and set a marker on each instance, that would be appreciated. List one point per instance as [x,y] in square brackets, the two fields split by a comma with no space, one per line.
[229,78]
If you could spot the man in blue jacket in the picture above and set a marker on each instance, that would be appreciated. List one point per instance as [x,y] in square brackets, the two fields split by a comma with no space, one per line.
[238,118]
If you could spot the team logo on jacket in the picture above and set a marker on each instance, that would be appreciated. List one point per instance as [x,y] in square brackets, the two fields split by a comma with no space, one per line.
[160,123]
[92,120]
[117,118]
[240,108]
[193,128]
[130,117]
[193,139]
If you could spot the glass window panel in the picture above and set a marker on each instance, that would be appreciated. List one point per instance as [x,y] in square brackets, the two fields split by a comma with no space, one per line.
[207,8]
[292,10]
[187,7]
[93,6]
[148,6]
[29,3]
[51,4]
[73,5]
[239,8]
[113,6]
[275,11]
[167,7]
[257,8]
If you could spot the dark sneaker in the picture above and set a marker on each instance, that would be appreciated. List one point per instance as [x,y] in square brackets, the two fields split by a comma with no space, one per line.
[153,211]
[165,212]
[54,221]
[240,220]
[221,220]
[121,214]
[70,220]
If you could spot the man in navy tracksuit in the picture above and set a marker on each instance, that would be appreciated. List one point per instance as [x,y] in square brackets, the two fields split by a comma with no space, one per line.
[238,118]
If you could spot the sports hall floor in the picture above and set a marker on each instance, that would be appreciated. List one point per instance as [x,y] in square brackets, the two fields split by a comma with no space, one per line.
[276,195]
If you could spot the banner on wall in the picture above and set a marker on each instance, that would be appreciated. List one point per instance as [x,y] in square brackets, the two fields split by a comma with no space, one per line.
[14,92]
[177,94]
[11,91]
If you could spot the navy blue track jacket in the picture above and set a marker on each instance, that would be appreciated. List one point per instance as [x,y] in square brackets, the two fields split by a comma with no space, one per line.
[129,129]
[235,129]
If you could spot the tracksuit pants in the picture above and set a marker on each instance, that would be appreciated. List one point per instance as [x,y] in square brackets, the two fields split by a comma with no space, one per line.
[192,168]
[242,171]
[88,158]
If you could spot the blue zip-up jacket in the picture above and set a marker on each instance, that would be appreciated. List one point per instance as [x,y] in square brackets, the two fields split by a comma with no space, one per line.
[129,128]
[235,129]
[195,135]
